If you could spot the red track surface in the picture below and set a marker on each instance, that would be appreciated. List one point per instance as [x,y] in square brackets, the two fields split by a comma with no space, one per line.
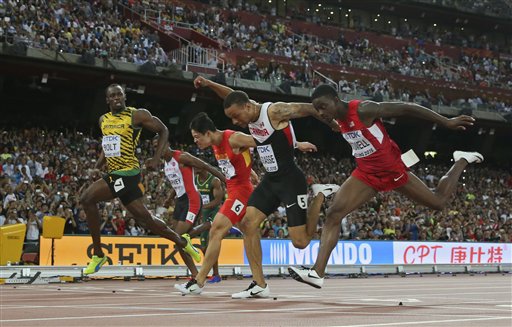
[447,300]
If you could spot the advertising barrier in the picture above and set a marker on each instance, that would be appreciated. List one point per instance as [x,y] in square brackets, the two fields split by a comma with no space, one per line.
[77,250]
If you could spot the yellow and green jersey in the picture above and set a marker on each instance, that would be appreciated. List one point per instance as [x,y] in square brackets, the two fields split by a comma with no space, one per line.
[119,142]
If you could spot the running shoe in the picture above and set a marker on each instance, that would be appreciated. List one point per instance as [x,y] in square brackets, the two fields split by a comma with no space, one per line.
[95,264]
[190,249]
[306,276]
[326,189]
[253,291]
[470,157]
[190,287]
[214,279]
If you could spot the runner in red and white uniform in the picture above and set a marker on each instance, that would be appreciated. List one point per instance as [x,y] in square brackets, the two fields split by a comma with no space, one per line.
[379,165]
[179,170]
[378,158]
[231,150]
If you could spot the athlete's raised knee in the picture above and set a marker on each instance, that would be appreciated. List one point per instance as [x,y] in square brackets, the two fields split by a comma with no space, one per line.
[300,243]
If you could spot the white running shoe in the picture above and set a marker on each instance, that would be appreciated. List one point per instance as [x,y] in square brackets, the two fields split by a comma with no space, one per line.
[191,287]
[252,291]
[470,157]
[326,189]
[306,276]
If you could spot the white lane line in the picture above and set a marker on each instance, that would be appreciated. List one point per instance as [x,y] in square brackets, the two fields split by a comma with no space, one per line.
[336,309]
[408,323]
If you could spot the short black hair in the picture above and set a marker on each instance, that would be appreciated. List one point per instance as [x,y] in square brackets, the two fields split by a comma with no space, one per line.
[324,90]
[202,123]
[113,85]
[236,97]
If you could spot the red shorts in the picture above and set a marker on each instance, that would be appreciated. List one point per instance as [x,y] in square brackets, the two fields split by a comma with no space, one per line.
[236,204]
[384,180]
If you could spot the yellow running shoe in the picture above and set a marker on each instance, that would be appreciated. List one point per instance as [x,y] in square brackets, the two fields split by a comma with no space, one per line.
[95,264]
[190,249]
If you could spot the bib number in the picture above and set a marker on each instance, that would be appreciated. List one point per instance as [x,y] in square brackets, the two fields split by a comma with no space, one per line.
[237,207]
[267,158]
[227,168]
[205,198]
[111,145]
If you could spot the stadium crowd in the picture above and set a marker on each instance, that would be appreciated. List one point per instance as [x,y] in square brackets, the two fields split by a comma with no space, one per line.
[84,27]
[42,172]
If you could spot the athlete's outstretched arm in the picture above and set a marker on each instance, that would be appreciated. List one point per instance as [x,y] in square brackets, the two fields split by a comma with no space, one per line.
[241,141]
[283,112]
[370,111]
[189,160]
[306,147]
[255,179]
[143,118]
[221,90]
[101,160]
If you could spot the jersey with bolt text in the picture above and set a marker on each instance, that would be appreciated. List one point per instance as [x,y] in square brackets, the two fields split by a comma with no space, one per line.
[119,141]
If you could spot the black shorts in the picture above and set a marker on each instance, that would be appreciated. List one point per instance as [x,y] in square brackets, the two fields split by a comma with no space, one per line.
[182,210]
[126,188]
[290,189]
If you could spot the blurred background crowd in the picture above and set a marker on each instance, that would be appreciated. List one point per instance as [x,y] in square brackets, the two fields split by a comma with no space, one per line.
[42,172]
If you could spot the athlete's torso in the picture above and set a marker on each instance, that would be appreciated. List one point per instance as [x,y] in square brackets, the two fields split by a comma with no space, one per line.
[119,141]
[275,147]
[372,147]
[236,167]
[181,177]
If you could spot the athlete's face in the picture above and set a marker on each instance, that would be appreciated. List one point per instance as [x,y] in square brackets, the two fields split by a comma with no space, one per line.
[116,98]
[202,140]
[326,106]
[239,114]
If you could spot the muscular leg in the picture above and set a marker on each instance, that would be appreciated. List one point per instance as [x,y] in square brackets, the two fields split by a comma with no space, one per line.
[96,192]
[221,225]
[352,194]
[181,228]
[314,214]
[139,212]
[251,228]
[199,229]
[302,235]
[416,190]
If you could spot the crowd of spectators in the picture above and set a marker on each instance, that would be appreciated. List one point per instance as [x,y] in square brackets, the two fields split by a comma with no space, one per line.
[42,172]
[498,8]
[273,36]
[97,28]
[80,27]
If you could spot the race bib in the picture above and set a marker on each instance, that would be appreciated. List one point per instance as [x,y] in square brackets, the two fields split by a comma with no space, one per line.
[111,145]
[361,147]
[237,207]
[227,168]
[267,158]
[173,173]
[205,198]
[191,217]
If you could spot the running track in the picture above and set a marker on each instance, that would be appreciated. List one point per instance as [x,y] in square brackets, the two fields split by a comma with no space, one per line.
[447,300]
